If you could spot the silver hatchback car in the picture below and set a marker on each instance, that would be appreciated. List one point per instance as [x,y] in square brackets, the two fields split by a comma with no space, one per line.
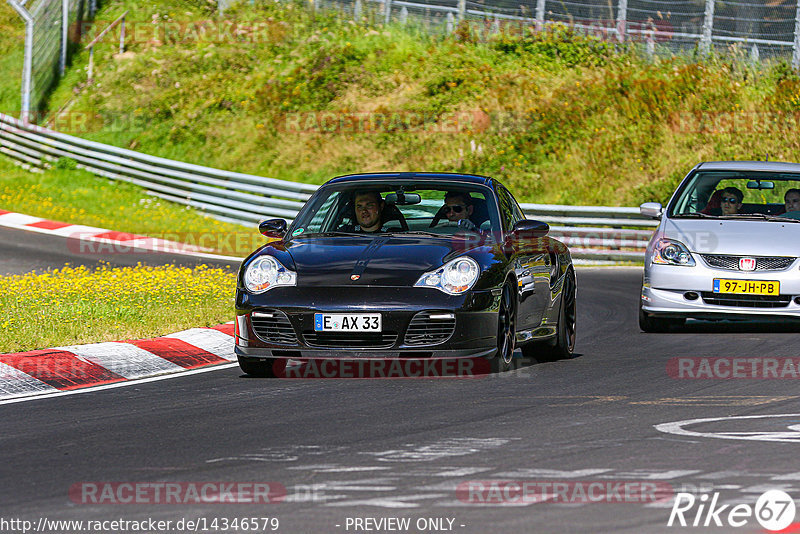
[727,246]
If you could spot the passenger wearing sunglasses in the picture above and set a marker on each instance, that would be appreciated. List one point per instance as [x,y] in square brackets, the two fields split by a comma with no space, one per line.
[458,208]
[731,201]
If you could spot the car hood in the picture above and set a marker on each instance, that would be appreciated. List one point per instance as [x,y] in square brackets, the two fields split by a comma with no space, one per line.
[384,260]
[736,237]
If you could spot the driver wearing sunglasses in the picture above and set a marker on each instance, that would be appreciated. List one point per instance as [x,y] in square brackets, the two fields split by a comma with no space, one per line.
[731,200]
[458,208]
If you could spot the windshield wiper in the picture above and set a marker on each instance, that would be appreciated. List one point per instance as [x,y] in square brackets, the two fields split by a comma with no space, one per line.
[693,215]
[764,216]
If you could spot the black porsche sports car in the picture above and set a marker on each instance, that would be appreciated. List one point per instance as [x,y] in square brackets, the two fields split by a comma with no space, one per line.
[406,265]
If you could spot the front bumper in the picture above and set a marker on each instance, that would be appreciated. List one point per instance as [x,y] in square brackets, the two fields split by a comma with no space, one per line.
[667,291]
[284,323]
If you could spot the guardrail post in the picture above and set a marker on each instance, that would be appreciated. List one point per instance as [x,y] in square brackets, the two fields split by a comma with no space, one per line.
[404,15]
[64,35]
[462,9]
[796,46]
[387,14]
[540,4]
[496,26]
[122,35]
[622,20]
[708,27]
[27,66]
[651,42]
[357,11]
[450,23]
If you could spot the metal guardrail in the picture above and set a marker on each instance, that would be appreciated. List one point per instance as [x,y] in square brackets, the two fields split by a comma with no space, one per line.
[591,232]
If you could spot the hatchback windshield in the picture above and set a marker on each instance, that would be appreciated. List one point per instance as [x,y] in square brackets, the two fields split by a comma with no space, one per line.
[738,194]
[430,208]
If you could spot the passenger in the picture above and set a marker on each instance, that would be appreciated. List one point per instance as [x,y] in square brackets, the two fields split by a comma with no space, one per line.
[368,206]
[458,208]
[791,200]
[731,201]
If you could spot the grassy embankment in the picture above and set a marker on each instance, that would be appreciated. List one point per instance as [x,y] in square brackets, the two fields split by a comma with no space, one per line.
[76,305]
[559,117]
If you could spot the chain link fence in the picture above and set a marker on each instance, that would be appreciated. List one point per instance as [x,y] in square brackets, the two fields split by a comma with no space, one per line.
[769,28]
[761,29]
[50,36]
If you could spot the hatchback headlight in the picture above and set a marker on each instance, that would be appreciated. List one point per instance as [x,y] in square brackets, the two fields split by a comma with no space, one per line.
[671,252]
[266,272]
[453,278]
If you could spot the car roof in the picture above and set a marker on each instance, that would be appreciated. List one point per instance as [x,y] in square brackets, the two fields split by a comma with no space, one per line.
[768,166]
[412,176]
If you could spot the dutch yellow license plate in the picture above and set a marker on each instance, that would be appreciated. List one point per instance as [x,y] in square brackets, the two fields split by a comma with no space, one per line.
[747,287]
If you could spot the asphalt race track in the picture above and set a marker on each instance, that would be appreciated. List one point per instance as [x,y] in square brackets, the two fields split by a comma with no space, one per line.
[365,455]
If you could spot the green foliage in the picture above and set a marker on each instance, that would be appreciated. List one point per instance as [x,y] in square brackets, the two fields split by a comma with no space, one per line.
[560,116]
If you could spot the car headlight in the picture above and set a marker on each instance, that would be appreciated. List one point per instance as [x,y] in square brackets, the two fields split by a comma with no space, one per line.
[266,272]
[453,278]
[671,252]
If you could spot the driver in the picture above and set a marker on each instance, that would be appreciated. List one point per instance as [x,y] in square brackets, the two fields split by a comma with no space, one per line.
[458,208]
[368,206]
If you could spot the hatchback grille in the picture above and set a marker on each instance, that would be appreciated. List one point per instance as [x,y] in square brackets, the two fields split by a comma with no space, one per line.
[746,301]
[273,327]
[731,263]
[430,328]
[352,340]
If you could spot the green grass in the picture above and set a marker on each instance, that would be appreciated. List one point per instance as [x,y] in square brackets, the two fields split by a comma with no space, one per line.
[75,305]
[12,40]
[75,196]
[559,117]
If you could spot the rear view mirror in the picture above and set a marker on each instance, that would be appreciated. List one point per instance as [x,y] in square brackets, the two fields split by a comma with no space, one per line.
[651,209]
[403,199]
[530,228]
[274,228]
[759,184]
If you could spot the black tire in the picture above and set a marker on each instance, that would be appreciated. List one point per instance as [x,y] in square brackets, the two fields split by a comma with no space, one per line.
[256,367]
[506,332]
[657,325]
[563,343]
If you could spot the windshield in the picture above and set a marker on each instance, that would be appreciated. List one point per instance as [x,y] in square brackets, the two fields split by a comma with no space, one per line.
[739,194]
[399,208]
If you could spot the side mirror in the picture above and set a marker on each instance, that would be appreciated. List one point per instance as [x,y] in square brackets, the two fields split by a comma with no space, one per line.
[651,209]
[530,228]
[274,228]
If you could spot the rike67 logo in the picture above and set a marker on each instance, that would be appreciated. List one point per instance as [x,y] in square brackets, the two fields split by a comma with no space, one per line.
[774,510]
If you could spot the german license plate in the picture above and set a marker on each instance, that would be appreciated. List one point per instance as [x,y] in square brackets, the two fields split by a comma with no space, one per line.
[747,287]
[347,322]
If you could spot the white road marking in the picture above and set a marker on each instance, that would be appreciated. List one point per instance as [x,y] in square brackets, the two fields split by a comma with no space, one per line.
[217,343]
[15,383]
[438,450]
[791,436]
[119,384]
[124,359]
[18,219]
[399,501]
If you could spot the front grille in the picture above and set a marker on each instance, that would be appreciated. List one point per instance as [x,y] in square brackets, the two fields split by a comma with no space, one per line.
[746,301]
[273,326]
[350,340]
[430,328]
[731,263]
